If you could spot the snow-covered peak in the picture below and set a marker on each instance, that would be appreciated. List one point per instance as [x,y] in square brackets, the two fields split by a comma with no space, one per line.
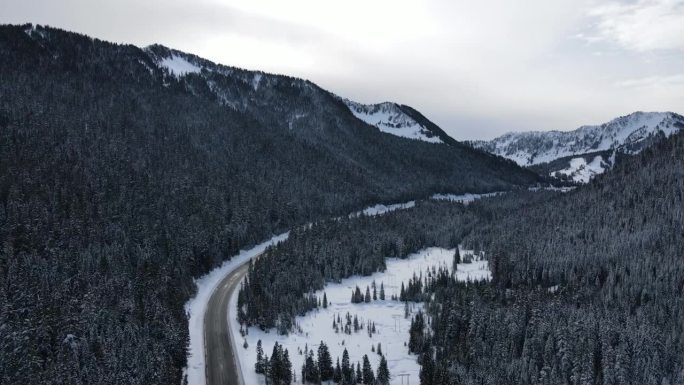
[390,118]
[627,134]
[179,66]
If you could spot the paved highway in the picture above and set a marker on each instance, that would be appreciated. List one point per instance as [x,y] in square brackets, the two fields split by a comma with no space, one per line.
[221,365]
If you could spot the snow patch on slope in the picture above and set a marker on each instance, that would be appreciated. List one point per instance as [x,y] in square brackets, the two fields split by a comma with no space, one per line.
[581,171]
[382,209]
[255,81]
[179,66]
[463,198]
[389,118]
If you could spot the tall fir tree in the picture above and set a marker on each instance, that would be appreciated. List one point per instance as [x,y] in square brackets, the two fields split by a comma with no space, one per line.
[383,377]
[367,372]
[325,366]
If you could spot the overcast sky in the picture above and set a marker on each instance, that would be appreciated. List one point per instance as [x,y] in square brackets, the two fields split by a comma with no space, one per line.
[476,68]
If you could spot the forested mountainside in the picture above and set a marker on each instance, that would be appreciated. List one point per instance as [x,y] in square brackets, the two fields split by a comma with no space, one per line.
[587,151]
[587,288]
[126,172]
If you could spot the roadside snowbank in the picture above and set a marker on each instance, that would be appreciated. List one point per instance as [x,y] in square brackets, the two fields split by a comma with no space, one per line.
[196,307]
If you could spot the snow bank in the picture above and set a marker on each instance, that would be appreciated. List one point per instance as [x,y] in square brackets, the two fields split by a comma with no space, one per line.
[388,316]
[197,306]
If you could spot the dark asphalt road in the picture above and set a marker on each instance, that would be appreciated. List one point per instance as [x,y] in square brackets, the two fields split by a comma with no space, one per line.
[221,367]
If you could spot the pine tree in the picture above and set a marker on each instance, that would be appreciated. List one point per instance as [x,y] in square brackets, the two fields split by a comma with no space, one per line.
[416,338]
[383,372]
[286,377]
[311,374]
[427,367]
[347,370]
[325,366]
[457,258]
[359,374]
[402,293]
[337,375]
[259,366]
[276,365]
[325,301]
[382,291]
[368,376]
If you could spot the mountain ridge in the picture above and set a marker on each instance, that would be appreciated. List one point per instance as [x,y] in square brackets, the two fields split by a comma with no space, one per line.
[625,135]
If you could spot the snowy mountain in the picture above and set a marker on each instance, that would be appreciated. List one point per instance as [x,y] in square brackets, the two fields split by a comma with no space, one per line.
[393,118]
[589,150]
[397,120]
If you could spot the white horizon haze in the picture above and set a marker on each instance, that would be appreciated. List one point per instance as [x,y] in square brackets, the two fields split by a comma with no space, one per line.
[477,69]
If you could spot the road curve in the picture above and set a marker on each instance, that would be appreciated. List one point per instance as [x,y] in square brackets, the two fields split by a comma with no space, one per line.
[221,363]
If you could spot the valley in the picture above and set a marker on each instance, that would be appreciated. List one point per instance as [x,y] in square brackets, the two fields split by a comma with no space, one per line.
[168,219]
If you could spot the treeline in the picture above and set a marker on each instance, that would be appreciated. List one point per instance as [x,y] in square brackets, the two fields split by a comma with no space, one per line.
[119,183]
[280,284]
[319,369]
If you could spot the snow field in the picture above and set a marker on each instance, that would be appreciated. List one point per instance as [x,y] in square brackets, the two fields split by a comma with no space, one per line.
[391,325]
[581,171]
[387,117]
[178,66]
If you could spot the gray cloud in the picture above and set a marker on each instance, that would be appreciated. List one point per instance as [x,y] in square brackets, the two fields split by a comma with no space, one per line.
[644,25]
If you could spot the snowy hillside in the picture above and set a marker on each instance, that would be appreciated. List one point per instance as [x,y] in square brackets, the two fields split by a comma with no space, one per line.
[627,135]
[391,118]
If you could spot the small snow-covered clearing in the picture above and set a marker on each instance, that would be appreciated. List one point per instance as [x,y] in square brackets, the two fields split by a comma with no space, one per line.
[388,315]
[581,171]
[464,198]
[179,66]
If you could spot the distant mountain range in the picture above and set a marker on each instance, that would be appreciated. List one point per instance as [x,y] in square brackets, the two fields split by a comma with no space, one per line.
[589,150]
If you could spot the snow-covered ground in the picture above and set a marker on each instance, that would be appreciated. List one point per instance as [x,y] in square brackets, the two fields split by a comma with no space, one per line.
[553,188]
[389,118]
[179,66]
[197,306]
[464,198]
[581,171]
[388,316]
[382,209]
